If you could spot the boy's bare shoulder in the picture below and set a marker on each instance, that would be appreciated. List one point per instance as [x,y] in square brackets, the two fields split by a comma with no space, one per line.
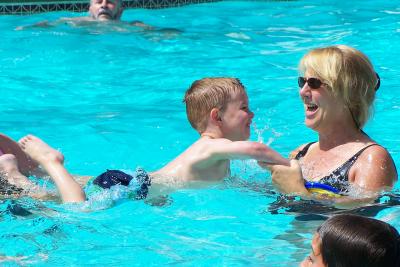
[215,143]
[206,148]
[222,141]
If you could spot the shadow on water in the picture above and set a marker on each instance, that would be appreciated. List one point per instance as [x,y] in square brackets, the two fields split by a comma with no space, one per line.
[22,208]
[14,208]
[306,210]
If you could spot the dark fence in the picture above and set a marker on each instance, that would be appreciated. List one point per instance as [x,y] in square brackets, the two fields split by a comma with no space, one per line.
[21,7]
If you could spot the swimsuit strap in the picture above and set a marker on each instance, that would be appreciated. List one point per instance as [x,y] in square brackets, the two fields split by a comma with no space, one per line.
[350,162]
[339,178]
[303,152]
[362,150]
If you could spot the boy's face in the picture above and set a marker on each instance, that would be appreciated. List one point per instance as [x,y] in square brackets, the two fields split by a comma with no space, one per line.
[236,118]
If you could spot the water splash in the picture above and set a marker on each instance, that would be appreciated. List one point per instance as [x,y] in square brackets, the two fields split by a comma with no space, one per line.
[260,132]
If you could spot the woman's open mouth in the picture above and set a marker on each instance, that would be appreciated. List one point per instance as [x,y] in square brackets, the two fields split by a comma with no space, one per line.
[312,107]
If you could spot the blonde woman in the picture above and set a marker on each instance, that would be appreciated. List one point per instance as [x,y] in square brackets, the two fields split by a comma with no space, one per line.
[337,88]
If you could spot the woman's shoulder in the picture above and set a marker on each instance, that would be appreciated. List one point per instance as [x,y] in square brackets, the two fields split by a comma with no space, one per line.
[373,150]
[376,152]
[375,167]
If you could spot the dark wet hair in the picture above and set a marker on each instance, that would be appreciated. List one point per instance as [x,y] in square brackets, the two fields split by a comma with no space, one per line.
[356,241]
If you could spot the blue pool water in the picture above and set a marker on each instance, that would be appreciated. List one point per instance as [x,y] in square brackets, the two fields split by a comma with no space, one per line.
[110,99]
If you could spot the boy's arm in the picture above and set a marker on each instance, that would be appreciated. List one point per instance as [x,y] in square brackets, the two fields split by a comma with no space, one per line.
[226,149]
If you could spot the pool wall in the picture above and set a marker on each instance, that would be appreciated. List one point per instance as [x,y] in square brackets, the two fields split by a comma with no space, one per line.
[22,7]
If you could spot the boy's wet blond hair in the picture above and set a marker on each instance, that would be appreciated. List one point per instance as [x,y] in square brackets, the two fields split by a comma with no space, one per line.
[349,75]
[206,94]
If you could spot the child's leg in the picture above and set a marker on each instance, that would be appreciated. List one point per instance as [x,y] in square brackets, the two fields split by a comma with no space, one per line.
[9,170]
[82,179]
[8,146]
[52,161]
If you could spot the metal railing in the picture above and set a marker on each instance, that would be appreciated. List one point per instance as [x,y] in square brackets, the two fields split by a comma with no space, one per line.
[21,7]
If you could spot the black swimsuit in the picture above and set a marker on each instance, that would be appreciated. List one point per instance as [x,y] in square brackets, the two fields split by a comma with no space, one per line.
[339,178]
[307,210]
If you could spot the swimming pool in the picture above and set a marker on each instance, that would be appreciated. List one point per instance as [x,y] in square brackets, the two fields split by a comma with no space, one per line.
[113,99]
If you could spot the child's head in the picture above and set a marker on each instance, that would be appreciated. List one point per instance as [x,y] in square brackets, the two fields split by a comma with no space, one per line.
[213,93]
[350,240]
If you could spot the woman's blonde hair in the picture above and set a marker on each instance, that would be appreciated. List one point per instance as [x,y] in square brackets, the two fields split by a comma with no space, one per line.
[349,75]
[206,94]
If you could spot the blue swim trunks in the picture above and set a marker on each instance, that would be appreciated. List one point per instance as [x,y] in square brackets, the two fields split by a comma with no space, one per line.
[138,183]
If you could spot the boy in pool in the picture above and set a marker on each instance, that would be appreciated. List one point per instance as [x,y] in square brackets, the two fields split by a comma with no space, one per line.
[217,108]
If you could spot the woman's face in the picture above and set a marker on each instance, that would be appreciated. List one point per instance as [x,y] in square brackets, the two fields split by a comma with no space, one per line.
[315,257]
[322,109]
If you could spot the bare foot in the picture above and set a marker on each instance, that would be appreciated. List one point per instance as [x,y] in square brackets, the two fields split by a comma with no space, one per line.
[39,151]
[52,161]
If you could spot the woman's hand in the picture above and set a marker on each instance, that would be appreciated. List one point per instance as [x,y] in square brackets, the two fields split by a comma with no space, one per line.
[288,180]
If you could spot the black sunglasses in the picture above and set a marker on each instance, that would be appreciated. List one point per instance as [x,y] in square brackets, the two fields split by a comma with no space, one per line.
[314,83]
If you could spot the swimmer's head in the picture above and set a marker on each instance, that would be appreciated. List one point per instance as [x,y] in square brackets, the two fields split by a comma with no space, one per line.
[349,75]
[350,240]
[214,93]
[104,10]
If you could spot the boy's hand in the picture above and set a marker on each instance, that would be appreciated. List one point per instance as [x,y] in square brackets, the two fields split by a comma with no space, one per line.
[288,180]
